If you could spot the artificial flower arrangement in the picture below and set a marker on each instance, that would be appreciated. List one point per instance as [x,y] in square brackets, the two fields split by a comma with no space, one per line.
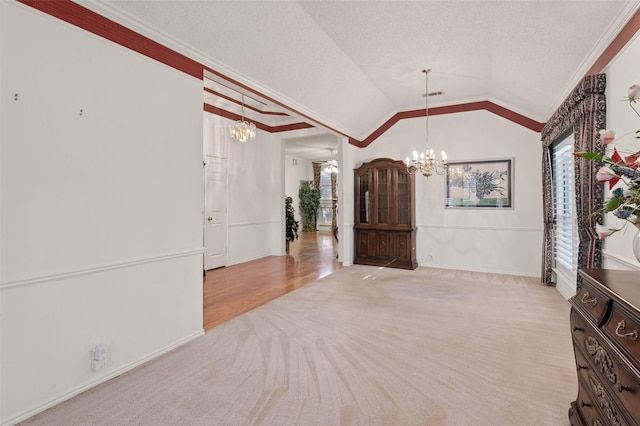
[624,203]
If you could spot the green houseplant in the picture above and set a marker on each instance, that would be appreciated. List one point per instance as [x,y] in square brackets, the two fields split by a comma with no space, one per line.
[291,224]
[309,204]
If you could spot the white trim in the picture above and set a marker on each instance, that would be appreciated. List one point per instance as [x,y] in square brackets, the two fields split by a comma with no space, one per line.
[566,284]
[626,262]
[228,74]
[487,271]
[620,20]
[126,264]
[565,289]
[103,379]
[481,228]
[237,225]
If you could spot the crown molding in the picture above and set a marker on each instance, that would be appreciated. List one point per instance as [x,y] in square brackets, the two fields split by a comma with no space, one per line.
[627,18]
[217,71]
[199,65]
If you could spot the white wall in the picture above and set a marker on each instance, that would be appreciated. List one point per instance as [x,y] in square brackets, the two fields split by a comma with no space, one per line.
[256,199]
[255,211]
[502,241]
[622,72]
[101,211]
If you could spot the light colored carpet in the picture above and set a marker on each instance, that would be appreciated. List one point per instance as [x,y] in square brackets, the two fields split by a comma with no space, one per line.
[363,346]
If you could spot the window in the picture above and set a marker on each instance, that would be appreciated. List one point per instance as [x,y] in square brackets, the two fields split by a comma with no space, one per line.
[325,214]
[565,235]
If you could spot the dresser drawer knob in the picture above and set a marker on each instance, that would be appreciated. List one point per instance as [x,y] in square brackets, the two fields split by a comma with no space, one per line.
[584,404]
[586,300]
[576,328]
[580,367]
[621,388]
[620,331]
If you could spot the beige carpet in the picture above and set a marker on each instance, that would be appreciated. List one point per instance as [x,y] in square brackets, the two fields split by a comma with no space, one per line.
[364,346]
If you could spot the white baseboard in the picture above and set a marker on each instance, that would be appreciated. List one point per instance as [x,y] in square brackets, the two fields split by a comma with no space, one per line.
[565,289]
[93,383]
[487,271]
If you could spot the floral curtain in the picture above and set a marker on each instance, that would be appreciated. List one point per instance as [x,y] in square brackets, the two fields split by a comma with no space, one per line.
[334,204]
[585,112]
[317,167]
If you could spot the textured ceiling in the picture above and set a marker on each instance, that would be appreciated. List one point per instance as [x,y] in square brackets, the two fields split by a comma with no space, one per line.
[351,65]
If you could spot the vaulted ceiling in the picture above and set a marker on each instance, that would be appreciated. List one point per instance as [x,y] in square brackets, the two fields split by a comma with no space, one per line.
[351,65]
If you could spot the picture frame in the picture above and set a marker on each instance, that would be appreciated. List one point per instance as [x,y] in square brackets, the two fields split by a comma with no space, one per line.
[481,184]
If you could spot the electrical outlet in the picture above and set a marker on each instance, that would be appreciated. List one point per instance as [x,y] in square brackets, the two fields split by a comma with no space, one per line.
[98,357]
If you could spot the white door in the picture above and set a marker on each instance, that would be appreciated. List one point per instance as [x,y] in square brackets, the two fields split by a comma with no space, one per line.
[215,214]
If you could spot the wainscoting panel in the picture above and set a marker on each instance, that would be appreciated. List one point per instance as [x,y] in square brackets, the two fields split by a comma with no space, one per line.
[502,250]
[50,327]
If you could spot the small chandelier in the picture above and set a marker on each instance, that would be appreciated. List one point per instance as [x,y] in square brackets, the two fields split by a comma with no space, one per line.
[331,166]
[243,130]
[426,162]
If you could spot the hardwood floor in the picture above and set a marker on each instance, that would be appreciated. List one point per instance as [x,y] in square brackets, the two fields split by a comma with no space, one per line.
[234,290]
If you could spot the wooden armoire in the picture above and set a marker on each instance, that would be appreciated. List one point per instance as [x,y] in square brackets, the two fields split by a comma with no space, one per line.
[385,232]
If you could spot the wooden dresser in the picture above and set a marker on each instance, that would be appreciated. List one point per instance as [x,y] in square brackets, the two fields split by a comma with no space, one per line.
[385,232]
[605,325]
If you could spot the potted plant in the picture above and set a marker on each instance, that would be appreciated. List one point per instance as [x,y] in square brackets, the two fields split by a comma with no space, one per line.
[291,224]
[624,201]
[309,204]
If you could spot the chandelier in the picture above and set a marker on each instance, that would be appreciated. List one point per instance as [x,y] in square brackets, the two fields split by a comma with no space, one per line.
[426,161]
[243,130]
[331,166]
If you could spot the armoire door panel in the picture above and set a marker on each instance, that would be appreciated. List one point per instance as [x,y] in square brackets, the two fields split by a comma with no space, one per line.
[364,245]
[404,245]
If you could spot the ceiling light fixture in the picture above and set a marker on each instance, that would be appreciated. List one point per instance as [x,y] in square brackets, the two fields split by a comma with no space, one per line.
[243,130]
[426,162]
[332,165]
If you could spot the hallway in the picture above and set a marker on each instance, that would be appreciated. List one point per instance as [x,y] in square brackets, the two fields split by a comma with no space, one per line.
[234,290]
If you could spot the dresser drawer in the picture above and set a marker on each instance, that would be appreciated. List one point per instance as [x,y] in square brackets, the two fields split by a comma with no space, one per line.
[607,407]
[600,366]
[588,411]
[579,325]
[605,328]
[623,328]
[593,302]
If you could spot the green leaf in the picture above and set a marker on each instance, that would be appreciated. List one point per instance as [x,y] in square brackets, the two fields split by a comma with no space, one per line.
[614,203]
[593,156]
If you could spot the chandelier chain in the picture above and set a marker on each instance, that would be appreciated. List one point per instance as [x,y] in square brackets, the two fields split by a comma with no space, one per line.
[426,103]
[426,162]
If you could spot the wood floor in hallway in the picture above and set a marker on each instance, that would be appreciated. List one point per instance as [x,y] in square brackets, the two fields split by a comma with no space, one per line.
[233,290]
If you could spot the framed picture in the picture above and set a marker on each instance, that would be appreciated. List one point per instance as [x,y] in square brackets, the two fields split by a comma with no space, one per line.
[479,184]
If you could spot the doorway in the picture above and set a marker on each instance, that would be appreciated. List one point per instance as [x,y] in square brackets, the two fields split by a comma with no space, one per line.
[215,224]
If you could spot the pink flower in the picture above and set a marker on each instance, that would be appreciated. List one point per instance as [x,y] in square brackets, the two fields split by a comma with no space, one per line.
[605,174]
[607,136]
[604,231]
[634,93]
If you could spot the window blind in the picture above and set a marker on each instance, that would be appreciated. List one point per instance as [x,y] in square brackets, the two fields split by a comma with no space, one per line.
[566,238]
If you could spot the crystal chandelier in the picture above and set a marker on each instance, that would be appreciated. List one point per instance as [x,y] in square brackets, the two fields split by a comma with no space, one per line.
[332,166]
[426,162]
[243,130]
